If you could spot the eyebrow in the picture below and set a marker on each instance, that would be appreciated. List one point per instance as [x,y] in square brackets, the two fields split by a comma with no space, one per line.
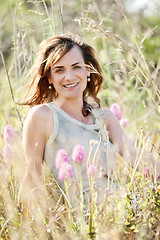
[63,66]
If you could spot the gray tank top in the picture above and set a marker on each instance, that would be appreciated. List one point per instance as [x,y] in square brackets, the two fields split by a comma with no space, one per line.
[68,132]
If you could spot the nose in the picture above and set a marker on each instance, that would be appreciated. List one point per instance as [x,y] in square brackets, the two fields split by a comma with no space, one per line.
[69,74]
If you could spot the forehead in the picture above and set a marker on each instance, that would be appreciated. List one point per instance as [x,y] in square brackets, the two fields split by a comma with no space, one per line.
[73,56]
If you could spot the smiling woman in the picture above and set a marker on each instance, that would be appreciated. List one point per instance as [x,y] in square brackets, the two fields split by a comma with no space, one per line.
[69,76]
[48,62]
[66,113]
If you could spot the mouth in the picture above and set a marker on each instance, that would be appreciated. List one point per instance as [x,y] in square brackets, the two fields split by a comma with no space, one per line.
[70,85]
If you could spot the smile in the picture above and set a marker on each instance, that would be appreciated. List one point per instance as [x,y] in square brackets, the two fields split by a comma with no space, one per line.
[70,85]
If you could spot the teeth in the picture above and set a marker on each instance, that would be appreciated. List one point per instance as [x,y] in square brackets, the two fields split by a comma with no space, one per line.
[70,85]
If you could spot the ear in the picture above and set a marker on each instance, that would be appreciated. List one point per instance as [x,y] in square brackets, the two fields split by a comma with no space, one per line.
[88,72]
[49,79]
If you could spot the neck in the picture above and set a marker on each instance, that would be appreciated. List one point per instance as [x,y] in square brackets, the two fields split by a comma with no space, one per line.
[71,107]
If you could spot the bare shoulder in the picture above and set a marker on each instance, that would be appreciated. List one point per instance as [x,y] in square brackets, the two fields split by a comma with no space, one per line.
[39,117]
[41,112]
[108,112]
[111,119]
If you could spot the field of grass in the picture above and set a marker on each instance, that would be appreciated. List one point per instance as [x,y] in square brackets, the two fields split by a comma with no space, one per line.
[127,48]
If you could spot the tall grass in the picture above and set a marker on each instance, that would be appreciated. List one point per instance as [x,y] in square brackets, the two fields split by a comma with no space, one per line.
[131,212]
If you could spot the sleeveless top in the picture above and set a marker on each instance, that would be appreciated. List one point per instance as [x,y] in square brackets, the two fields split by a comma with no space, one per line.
[67,133]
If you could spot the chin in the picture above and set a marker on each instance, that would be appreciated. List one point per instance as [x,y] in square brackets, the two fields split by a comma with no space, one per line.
[73,96]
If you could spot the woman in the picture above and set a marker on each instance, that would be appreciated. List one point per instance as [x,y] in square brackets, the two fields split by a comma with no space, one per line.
[66,111]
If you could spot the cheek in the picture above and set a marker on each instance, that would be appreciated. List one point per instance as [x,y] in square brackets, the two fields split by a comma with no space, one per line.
[83,74]
[85,77]
[55,84]
[55,79]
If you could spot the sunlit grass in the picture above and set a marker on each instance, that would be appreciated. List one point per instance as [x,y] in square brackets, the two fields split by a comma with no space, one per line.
[131,212]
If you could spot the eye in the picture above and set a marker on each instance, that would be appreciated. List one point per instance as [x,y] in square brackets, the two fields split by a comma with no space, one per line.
[58,70]
[77,67]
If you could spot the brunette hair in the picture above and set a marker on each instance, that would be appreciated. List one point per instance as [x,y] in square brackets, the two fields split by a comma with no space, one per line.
[52,50]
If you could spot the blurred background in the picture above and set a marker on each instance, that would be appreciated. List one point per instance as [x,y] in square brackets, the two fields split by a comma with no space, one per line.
[126,37]
[125,34]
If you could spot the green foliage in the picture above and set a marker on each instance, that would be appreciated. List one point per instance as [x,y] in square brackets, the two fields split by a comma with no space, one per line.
[127,47]
[131,211]
[150,38]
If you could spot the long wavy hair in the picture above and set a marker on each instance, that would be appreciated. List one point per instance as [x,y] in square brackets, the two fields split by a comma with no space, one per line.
[51,51]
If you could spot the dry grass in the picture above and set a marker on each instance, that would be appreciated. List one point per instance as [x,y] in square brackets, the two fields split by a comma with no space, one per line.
[132,80]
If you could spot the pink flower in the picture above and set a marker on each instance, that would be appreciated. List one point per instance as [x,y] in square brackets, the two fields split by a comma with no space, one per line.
[61,157]
[65,171]
[8,152]
[115,108]
[78,154]
[92,170]
[146,172]
[124,122]
[10,135]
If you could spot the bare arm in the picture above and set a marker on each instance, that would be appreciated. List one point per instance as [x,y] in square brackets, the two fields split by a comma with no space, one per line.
[37,128]
[123,145]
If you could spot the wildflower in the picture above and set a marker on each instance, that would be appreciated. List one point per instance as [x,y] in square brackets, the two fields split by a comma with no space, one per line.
[8,152]
[65,171]
[61,157]
[124,122]
[115,108]
[10,135]
[78,154]
[146,172]
[92,170]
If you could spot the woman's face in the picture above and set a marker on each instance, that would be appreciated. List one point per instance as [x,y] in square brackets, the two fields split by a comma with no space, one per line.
[69,75]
